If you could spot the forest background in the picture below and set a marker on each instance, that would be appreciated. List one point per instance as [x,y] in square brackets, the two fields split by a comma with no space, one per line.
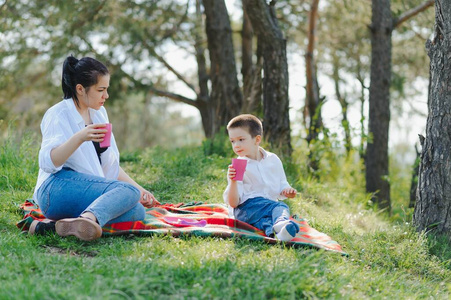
[152,49]
[36,42]
[162,56]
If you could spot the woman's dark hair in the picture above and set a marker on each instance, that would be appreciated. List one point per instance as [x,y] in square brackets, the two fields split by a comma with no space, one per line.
[85,71]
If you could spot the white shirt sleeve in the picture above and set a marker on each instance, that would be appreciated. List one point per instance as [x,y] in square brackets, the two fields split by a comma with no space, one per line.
[53,135]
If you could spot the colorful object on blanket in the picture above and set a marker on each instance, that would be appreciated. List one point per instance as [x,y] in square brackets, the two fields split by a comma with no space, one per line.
[184,222]
[199,219]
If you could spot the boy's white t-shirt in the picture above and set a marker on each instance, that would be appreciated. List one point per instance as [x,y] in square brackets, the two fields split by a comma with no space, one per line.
[265,178]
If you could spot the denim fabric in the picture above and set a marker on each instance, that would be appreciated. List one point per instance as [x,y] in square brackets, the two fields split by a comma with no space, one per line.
[262,213]
[68,194]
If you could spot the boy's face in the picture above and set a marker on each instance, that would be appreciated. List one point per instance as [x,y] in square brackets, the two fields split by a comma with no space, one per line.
[243,143]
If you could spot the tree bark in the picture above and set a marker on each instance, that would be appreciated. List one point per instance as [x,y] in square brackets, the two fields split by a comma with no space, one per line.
[276,120]
[247,52]
[344,104]
[433,206]
[312,88]
[363,134]
[379,102]
[203,97]
[225,97]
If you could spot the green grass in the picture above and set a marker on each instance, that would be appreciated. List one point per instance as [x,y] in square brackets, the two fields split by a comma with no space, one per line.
[387,258]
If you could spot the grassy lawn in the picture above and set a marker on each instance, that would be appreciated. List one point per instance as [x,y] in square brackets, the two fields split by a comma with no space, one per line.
[387,258]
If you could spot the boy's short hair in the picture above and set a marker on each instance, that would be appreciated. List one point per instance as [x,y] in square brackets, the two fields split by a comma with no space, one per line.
[250,122]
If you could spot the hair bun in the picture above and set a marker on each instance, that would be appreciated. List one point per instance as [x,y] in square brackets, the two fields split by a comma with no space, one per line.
[70,63]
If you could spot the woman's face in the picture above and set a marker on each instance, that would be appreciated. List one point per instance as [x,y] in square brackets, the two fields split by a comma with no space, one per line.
[95,96]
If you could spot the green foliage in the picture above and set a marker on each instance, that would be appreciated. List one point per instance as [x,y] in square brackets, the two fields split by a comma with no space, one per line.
[18,162]
[386,259]
[219,144]
[400,181]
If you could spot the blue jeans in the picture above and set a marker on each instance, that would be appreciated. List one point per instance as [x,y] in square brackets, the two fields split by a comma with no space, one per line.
[262,213]
[68,194]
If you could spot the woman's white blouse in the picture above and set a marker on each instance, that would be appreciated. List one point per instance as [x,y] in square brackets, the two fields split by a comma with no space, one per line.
[265,178]
[60,123]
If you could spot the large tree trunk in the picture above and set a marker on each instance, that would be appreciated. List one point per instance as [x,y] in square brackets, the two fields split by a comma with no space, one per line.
[433,207]
[379,115]
[276,118]
[225,98]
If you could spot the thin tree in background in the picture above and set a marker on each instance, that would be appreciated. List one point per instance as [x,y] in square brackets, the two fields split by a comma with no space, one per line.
[433,203]
[381,28]
[313,101]
[276,119]
[379,104]
[341,97]
[252,78]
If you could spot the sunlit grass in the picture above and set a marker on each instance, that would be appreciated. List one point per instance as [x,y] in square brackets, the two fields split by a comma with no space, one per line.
[387,257]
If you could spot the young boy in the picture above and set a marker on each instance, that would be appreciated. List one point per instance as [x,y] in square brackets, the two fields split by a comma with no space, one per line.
[255,199]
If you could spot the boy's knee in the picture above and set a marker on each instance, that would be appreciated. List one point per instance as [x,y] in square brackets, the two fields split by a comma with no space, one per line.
[283,204]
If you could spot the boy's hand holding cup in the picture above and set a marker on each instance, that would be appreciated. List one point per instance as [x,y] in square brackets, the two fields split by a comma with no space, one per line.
[237,168]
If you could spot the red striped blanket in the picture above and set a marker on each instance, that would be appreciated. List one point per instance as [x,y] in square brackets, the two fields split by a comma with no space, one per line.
[199,219]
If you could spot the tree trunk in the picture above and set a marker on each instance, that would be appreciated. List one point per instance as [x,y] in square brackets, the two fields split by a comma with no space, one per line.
[313,101]
[344,104]
[363,134]
[247,53]
[203,97]
[276,118]
[433,207]
[379,115]
[225,98]
[312,88]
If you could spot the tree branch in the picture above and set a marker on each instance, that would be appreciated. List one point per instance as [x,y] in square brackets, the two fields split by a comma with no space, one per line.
[5,4]
[89,17]
[168,34]
[412,12]
[168,66]
[176,27]
[173,96]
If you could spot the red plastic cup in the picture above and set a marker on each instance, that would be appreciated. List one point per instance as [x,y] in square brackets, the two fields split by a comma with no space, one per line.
[107,139]
[240,166]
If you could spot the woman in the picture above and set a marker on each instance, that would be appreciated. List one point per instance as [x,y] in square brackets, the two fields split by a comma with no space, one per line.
[81,185]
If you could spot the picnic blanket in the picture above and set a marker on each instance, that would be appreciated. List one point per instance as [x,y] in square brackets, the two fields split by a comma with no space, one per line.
[198,219]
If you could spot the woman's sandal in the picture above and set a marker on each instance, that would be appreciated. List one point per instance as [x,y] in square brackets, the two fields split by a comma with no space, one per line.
[83,228]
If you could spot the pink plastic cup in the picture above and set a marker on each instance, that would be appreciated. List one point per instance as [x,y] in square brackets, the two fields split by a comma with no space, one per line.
[240,166]
[107,139]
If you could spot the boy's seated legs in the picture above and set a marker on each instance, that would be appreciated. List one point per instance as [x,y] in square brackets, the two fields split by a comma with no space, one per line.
[257,212]
[269,216]
[284,228]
